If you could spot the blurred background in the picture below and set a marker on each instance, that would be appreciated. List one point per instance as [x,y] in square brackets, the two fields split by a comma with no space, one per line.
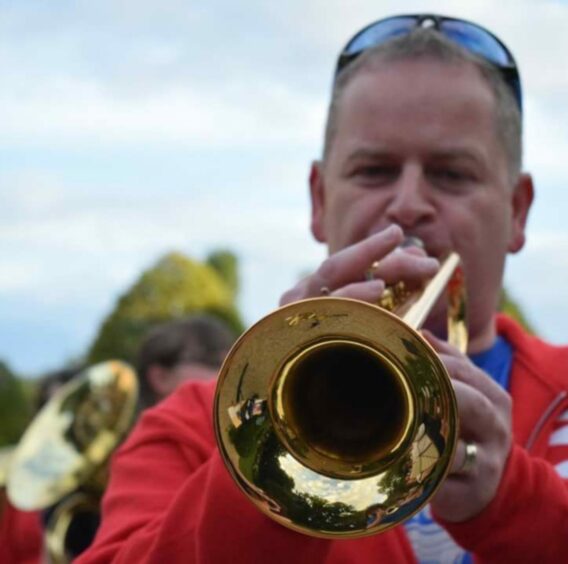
[154,160]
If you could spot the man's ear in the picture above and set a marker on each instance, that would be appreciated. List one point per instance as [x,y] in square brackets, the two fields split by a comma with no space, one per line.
[317,197]
[522,199]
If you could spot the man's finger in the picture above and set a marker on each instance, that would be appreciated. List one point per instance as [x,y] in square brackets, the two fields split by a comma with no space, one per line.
[350,264]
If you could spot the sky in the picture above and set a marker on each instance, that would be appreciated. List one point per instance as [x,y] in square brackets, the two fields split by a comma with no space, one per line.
[130,128]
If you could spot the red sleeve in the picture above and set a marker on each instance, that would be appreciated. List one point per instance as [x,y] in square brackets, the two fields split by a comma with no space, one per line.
[528,519]
[21,537]
[170,499]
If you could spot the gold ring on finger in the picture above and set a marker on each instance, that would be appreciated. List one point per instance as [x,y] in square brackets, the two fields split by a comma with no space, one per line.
[372,271]
[469,459]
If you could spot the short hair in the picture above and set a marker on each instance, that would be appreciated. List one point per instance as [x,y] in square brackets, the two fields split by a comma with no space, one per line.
[430,44]
[201,339]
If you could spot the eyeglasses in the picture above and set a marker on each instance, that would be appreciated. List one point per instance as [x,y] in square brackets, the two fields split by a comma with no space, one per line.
[470,36]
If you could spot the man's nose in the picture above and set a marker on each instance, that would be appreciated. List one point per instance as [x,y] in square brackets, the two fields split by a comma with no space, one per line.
[411,202]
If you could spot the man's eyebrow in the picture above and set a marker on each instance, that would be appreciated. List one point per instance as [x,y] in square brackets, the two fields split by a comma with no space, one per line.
[466,154]
[458,154]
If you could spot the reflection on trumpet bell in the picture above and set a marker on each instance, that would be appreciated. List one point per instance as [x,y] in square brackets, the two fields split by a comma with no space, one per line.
[336,417]
[300,478]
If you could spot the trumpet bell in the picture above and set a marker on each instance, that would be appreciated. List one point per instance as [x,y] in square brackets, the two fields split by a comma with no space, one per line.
[335,417]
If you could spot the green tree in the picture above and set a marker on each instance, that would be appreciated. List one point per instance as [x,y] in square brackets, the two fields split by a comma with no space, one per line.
[175,286]
[226,264]
[509,306]
[15,408]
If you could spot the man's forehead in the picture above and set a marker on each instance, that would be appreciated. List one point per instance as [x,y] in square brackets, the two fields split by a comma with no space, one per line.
[425,93]
[417,76]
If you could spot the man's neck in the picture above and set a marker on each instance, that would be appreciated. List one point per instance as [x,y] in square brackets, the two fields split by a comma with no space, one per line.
[482,340]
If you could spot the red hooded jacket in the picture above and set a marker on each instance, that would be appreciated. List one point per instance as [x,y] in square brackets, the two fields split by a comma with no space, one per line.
[171,499]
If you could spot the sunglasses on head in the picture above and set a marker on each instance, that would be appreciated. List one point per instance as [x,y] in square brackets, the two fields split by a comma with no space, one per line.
[470,36]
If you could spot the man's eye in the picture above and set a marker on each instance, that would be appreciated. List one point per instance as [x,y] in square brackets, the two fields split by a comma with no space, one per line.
[450,174]
[452,181]
[376,171]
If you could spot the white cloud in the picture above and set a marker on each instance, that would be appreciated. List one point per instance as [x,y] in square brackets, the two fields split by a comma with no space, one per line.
[66,112]
[113,82]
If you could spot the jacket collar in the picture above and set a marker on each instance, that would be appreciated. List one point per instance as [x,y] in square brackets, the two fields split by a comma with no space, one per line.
[537,385]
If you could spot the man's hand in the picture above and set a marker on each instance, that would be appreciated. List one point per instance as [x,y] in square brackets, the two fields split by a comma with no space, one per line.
[484,407]
[485,420]
[343,273]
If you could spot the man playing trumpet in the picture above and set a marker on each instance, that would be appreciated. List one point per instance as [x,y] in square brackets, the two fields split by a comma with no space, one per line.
[423,140]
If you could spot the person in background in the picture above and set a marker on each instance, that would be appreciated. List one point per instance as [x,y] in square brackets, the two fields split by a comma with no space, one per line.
[423,140]
[191,348]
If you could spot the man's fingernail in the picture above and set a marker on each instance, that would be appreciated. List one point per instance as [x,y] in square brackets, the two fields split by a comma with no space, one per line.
[393,230]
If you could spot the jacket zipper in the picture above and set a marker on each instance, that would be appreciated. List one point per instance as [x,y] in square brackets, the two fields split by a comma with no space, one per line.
[543,419]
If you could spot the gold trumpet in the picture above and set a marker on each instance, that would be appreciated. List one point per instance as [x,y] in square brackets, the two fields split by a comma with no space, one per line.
[336,417]
[61,462]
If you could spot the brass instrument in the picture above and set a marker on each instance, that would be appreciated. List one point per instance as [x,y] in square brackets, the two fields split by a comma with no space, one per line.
[61,462]
[6,454]
[72,526]
[336,417]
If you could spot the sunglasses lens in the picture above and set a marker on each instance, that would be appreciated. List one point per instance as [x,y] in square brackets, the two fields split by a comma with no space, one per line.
[471,37]
[379,33]
[477,41]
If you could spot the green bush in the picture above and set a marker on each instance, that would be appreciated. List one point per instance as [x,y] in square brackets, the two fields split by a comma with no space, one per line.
[174,287]
[15,407]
